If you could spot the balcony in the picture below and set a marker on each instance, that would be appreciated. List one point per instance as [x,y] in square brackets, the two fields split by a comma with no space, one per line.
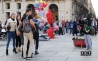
[18,0]
[46,0]
[30,0]
[7,0]
[53,0]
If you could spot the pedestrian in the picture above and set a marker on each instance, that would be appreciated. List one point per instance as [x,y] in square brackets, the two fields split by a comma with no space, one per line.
[87,34]
[75,27]
[0,26]
[87,38]
[71,27]
[94,24]
[11,28]
[60,29]
[36,33]
[27,25]
[67,26]
[63,26]
[46,27]
[18,40]
[81,24]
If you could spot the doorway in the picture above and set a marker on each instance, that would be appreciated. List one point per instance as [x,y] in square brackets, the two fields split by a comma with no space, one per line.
[54,9]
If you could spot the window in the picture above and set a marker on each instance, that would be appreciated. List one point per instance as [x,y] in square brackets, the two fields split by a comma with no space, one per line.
[7,15]
[7,5]
[18,5]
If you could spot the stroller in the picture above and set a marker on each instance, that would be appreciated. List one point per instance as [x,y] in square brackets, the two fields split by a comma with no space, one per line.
[3,36]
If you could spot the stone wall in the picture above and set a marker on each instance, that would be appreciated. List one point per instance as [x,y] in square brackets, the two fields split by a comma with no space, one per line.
[64,8]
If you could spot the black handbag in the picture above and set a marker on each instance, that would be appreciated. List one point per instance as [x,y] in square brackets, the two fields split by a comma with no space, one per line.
[8,28]
[20,29]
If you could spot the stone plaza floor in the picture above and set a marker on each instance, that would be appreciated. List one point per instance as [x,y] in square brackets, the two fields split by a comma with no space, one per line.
[59,49]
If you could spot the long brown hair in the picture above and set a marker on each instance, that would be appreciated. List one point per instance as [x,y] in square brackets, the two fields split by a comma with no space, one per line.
[18,19]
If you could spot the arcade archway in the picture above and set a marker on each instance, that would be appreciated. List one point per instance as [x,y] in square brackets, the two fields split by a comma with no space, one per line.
[54,9]
[31,6]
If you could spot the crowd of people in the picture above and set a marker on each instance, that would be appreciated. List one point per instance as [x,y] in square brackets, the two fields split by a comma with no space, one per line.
[25,31]
[75,27]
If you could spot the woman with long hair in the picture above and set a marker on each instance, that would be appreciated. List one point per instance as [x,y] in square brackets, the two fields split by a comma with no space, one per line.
[11,28]
[18,40]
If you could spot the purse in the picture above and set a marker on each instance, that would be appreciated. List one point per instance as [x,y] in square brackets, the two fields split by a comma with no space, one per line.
[8,27]
[20,29]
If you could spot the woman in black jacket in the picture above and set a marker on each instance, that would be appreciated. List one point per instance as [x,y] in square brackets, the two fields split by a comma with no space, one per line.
[18,40]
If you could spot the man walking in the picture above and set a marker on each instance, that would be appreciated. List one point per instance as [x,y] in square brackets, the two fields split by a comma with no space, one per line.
[27,25]
[94,24]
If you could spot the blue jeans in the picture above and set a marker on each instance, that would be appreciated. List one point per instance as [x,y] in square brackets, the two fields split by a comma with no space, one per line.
[9,36]
[63,29]
[88,41]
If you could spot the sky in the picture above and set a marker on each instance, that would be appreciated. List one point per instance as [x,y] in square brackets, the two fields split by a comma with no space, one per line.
[95,5]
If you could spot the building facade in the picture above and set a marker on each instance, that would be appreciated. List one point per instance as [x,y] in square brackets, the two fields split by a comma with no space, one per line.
[90,8]
[63,9]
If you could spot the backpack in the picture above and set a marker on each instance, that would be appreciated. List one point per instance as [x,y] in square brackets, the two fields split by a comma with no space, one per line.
[92,32]
[26,25]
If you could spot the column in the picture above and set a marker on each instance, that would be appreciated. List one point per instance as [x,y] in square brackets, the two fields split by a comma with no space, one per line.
[2,17]
[68,10]
[13,7]
[23,7]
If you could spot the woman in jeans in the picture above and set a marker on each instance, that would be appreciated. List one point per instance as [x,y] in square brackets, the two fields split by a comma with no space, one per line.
[18,40]
[12,23]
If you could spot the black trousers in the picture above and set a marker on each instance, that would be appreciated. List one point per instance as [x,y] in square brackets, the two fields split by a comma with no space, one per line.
[95,30]
[74,31]
[36,39]
[81,31]
[60,31]
[18,41]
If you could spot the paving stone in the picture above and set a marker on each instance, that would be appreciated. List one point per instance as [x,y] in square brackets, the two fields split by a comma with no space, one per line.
[59,49]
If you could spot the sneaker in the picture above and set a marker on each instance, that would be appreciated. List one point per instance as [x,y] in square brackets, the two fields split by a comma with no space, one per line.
[90,49]
[29,58]
[86,48]
[24,58]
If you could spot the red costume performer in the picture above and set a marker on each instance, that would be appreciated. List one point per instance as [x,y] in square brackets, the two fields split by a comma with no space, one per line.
[50,32]
[49,17]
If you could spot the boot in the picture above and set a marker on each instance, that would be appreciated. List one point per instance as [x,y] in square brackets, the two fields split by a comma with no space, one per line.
[14,50]
[19,49]
[7,52]
[36,52]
